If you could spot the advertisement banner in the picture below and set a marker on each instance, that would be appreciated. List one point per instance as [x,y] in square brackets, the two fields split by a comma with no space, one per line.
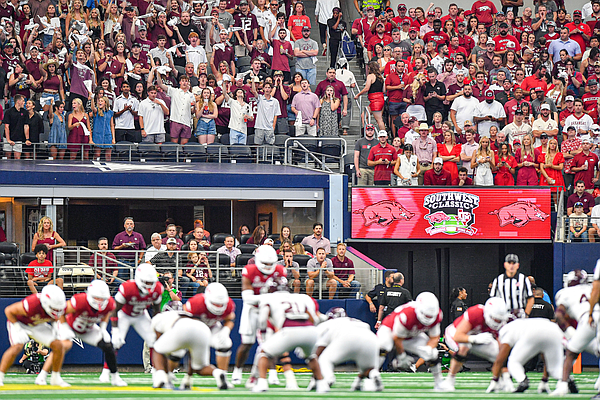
[451,213]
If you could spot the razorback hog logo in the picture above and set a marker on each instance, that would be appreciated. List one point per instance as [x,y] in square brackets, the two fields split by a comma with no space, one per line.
[519,213]
[384,213]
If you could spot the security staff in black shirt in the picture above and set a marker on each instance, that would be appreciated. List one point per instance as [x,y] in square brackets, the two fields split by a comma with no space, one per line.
[541,308]
[376,294]
[458,306]
[392,298]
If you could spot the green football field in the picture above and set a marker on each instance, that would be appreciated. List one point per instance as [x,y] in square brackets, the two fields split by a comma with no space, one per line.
[470,385]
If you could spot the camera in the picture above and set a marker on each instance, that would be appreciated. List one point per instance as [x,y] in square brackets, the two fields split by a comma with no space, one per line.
[163,280]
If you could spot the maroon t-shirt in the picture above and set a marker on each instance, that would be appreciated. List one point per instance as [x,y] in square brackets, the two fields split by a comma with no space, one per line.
[283,103]
[588,174]
[347,267]
[281,61]
[431,178]
[223,55]
[224,109]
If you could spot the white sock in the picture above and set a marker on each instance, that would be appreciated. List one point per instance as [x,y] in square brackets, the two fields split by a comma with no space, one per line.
[43,374]
[436,371]
[237,370]
[56,375]
[2,376]
[452,378]
[216,372]
[272,373]
[373,373]
[289,377]
[262,382]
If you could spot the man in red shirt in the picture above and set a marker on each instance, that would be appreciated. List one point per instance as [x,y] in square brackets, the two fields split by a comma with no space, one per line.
[584,165]
[503,39]
[343,274]
[535,80]
[590,99]
[401,15]
[465,41]
[456,48]
[362,26]
[513,104]
[437,176]
[463,178]
[395,90]
[379,37]
[382,157]
[579,32]
[480,86]
[569,109]
[452,14]
[437,35]
[485,12]
[39,271]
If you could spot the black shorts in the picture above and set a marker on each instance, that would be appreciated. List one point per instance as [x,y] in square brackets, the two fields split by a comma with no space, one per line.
[397,108]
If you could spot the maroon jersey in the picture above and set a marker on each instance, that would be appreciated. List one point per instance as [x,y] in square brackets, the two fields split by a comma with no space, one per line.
[406,324]
[197,306]
[84,317]
[475,316]
[134,303]
[258,279]
[35,312]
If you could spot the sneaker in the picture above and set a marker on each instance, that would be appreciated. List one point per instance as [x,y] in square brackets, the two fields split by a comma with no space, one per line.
[186,383]
[41,381]
[572,386]
[58,381]
[523,386]
[312,385]
[562,388]
[413,368]
[262,385]
[105,376]
[251,382]
[236,377]
[172,377]
[322,386]
[221,381]
[378,383]
[597,384]
[596,397]
[116,380]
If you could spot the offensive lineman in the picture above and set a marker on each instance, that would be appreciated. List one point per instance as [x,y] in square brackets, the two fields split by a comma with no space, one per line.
[414,327]
[132,300]
[32,318]
[253,279]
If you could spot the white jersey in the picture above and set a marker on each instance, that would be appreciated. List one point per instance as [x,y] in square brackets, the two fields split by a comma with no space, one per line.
[575,300]
[164,321]
[339,328]
[597,271]
[527,330]
[288,309]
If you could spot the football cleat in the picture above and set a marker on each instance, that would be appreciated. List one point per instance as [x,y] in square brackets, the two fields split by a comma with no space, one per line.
[572,386]
[523,386]
[261,386]
[105,376]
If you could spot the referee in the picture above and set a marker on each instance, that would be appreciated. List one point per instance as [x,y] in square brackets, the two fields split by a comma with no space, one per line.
[514,288]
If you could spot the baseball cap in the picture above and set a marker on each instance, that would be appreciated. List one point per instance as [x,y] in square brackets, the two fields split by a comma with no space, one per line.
[545,106]
[370,126]
[382,133]
[34,47]
[438,160]
[196,90]
[595,127]
[386,10]
[378,24]
[412,119]
[406,21]
[592,82]
[577,12]
[431,14]
[544,136]
[306,28]
[136,44]
[223,31]
[413,29]
[511,45]
[571,127]
[243,2]
[503,24]
[108,50]
[463,23]
[539,89]
[490,41]
[518,111]
[171,241]
[129,8]
[516,142]
[552,23]
[401,6]
[597,63]
[226,78]
[269,241]
[468,123]
[500,13]
[569,98]
[489,94]
[586,140]
[370,8]
[578,204]
[511,258]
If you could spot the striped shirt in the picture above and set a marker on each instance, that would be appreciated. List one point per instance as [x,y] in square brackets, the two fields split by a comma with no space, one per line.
[514,291]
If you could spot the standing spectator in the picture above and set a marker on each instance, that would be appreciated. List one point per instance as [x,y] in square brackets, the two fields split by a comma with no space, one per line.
[467,149]
[182,106]
[152,112]
[206,113]
[283,53]
[343,274]
[393,297]
[449,152]
[39,271]
[564,43]
[35,127]
[514,104]
[514,288]
[570,148]
[347,78]
[527,163]
[308,104]
[304,50]
[407,167]
[578,223]
[482,163]
[58,131]
[314,267]
[328,117]
[229,250]
[128,240]
[551,166]
[584,165]
[581,121]
[362,148]
[458,306]
[125,110]
[46,235]
[105,264]
[103,132]
[463,108]
[336,26]
[489,113]
[240,113]
[340,91]
[375,295]
[505,165]
[544,124]
[435,95]
[16,131]
[375,86]
[298,22]
[485,12]
[517,129]
[317,240]
[437,176]
[324,11]
[425,149]
[580,32]
[382,157]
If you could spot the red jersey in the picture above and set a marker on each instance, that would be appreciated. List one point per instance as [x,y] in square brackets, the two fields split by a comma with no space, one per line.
[550,37]
[395,95]
[85,317]
[484,10]
[364,28]
[585,175]
[258,279]
[35,312]
[475,316]
[385,40]
[40,270]
[406,324]
[590,101]
[502,41]
[439,38]
[134,303]
[197,306]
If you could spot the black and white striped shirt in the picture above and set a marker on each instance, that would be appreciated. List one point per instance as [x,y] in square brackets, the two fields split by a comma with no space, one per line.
[514,291]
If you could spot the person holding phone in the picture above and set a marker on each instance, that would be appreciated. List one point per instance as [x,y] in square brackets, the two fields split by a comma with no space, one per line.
[328,125]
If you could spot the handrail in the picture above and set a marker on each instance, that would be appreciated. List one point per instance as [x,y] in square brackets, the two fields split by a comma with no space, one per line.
[300,147]
[309,153]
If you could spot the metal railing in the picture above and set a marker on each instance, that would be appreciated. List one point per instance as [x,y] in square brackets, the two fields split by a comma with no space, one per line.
[563,229]
[305,149]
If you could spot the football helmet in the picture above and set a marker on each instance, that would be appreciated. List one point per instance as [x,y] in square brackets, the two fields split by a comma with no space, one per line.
[576,277]
[336,312]
[53,301]
[98,294]
[265,258]
[145,278]
[427,308]
[495,313]
[216,298]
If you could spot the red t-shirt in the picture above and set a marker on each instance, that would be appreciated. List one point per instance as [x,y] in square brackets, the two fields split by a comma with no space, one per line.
[501,42]
[531,82]
[281,61]
[296,23]
[40,270]
[587,174]
[583,27]
[396,95]
[382,171]
[431,178]
[590,101]
[386,39]
[484,10]
[440,37]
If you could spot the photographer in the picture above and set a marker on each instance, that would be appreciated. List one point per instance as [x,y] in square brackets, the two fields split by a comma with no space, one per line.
[170,296]
[33,357]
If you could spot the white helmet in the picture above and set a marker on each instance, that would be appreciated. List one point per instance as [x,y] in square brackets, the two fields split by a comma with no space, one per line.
[495,313]
[98,294]
[216,298]
[145,278]
[265,258]
[53,301]
[427,308]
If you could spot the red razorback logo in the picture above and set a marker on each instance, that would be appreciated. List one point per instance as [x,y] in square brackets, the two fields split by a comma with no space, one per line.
[384,213]
[519,213]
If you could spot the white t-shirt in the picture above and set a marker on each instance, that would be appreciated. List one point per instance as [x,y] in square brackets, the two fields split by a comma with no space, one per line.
[484,109]
[266,112]
[468,150]
[541,125]
[584,122]
[236,119]
[125,120]
[181,102]
[410,136]
[196,55]
[153,115]
[513,131]
[465,109]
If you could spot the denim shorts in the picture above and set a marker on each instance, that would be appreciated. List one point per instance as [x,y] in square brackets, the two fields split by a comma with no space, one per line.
[206,128]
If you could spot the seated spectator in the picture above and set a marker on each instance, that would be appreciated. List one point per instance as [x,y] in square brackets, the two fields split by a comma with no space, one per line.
[293,269]
[344,274]
[229,250]
[316,240]
[197,269]
[437,176]
[285,245]
[578,222]
[39,271]
[258,236]
[172,234]
[298,248]
[166,261]
[314,268]
[285,234]
[595,222]
[105,263]
[463,178]
[155,247]
[202,239]
[580,196]
[198,224]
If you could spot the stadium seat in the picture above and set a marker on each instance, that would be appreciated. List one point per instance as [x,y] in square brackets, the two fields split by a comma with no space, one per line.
[217,152]
[247,248]
[219,238]
[250,140]
[187,238]
[225,139]
[274,236]
[349,167]
[302,259]
[215,246]
[242,260]
[299,238]
[240,153]
[244,238]
[149,152]
[170,152]
[308,249]
[331,149]
[194,152]
[124,151]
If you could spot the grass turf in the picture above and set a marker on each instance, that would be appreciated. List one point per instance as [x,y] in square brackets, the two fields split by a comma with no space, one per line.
[470,385]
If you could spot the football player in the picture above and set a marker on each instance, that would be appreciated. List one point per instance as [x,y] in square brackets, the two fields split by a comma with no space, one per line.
[34,317]
[475,332]
[254,277]
[592,318]
[293,317]
[176,331]
[83,314]
[217,311]
[414,327]
[572,307]
[336,344]
[132,301]
[523,339]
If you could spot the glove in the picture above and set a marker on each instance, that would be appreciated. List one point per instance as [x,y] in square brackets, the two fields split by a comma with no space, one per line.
[300,353]
[495,386]
[117,340]
[507,383]
[427,353]
[482,338]
[402,361]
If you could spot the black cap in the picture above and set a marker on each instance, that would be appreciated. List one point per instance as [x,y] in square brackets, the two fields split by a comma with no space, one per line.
[544,136]
[511,258]
[503,25]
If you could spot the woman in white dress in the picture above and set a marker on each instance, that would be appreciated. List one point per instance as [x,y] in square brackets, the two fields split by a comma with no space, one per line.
[407,167]
[483,163]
